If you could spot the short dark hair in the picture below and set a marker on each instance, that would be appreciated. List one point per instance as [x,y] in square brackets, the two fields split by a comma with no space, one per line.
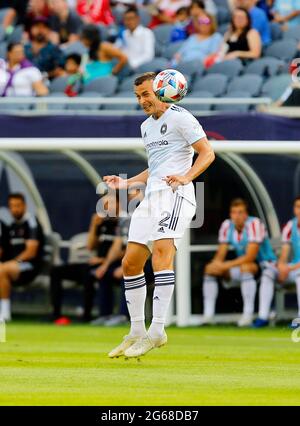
[147,76]
[198,3]
[132,9]
[182,10]
[296,199]
[17,196]
[10,46]
[239,202]
[74,57]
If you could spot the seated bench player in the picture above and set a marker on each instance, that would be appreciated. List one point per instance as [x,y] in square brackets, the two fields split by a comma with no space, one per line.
[248,236]
[284,271]
[21,251]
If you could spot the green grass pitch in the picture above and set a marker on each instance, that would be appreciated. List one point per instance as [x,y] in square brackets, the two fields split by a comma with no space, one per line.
[50,365]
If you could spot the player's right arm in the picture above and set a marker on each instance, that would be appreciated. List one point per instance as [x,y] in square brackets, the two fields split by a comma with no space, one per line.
[116,182]
[283,266]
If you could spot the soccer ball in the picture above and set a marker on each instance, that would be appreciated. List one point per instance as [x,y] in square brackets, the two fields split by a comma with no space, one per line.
[170,86]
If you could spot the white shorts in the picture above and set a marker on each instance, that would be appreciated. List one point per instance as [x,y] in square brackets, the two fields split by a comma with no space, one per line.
[162,214]
[293,275]
[236,274]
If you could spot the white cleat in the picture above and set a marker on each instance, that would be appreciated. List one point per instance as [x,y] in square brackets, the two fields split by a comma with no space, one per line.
[128,341]
[144,345]
[245,321]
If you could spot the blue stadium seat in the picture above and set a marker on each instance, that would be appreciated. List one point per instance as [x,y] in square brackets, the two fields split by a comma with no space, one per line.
[127,84]
[275,86]
[198,107]
[282,49]
[223,15]
[172,48]
[56,107]
[106,86]
[76,47]
[158,64]
[213,83]
[3,50]
[230,68]
[276,31]
[145,17]
[233,107]
[191,68]
[250,83]
[223,28]
[266,67]
[162,34]
[2,33]
[16,35]
[58,84]
[292,33]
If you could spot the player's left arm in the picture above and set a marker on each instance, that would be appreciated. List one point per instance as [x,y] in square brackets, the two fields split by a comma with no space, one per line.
[204,159]
[30,252]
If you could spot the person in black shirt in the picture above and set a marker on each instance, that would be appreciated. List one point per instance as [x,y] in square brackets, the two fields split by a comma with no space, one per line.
[21,250]
[65,23]
[101,235]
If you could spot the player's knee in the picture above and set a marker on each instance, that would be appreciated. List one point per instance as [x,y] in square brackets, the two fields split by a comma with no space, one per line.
[129,266]
[161,259]
[207,269]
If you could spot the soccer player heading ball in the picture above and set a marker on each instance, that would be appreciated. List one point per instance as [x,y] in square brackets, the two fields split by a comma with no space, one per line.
[170,135]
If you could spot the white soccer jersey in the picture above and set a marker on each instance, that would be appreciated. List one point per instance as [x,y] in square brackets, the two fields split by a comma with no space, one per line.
[168,142]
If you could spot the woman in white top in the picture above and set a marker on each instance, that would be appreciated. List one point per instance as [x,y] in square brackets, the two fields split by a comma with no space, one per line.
[18,76]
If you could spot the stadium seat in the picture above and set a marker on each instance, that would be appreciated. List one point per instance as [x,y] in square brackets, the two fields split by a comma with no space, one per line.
[16,35]
[233,107]
[76,47]
[230,68]
[292,33]
[122,107]
[58,84]
[276,31]
[106,86]
[266,67]
[172,48]
[249,83]
[282,49]
[162,34]
[2,33]
[158,64]
[103,31]
[191,67]
[275,86]
[145,17]
[213,83]
[223,28]
[197,107]
[223,15]
[3,50]
[127,84]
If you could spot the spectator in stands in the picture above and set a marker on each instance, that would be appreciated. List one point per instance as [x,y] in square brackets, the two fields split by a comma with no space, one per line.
[21,251]
[259,19]
[102,233]
[182,18]
[164,11]
[95,12]
[15,13]
[266,6]
[197,11]
[36,9]
[75,82]
[248,236]
[242,41]
[101,56]
[41,52]
[65,24]
[286,13]
[206,41]
[137,42]
[18,76]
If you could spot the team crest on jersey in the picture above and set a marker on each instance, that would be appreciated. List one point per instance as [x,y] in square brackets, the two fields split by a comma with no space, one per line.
[163,129]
